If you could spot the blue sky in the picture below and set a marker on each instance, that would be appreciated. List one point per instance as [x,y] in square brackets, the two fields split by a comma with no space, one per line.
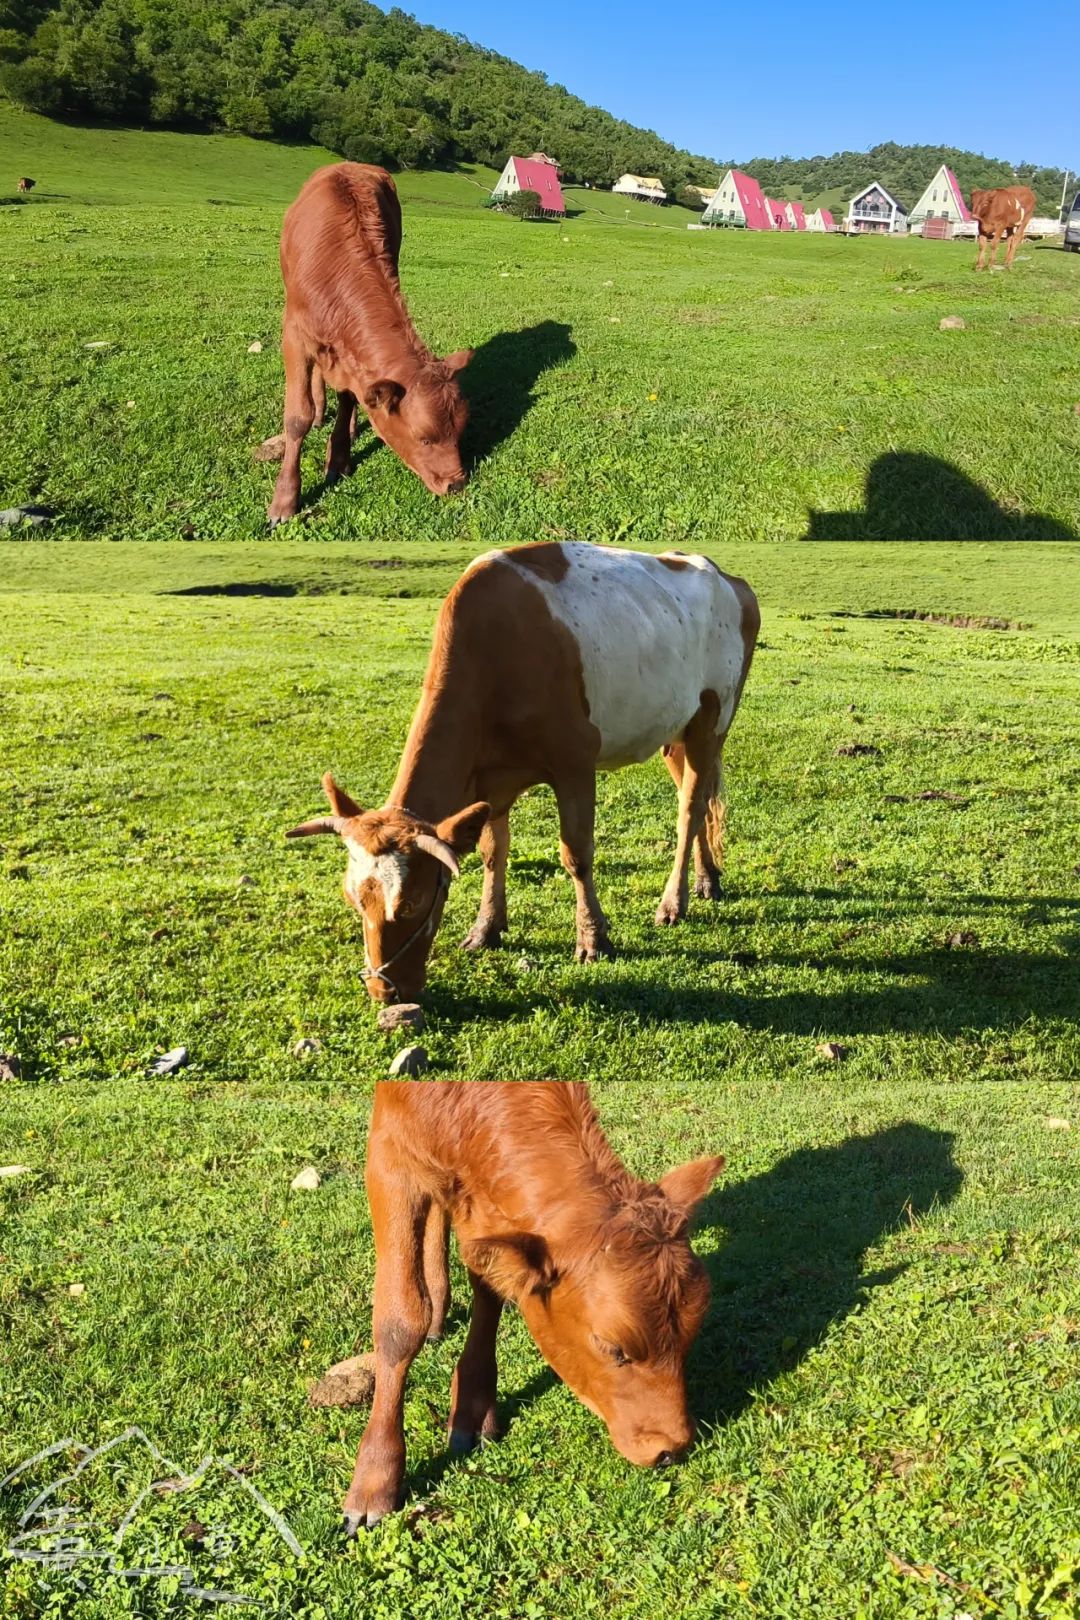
[994,78]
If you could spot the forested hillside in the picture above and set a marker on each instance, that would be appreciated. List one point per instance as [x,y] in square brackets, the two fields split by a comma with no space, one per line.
[379,87]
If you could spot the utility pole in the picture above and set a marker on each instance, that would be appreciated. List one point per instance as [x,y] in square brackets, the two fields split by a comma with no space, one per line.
[1064,192]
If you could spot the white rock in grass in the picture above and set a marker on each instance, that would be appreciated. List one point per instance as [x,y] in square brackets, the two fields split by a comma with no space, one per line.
[255,348]
[306,1180]
[952,323]
[410,1060]
[1052,1124]
[15,1170]
[76,1290]
[169,1062]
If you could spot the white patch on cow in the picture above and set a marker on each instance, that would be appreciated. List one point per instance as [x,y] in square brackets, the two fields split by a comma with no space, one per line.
[388,870]
[651,638]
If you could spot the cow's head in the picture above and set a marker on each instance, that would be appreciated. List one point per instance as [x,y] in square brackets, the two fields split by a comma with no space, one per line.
[616,1321]
[422,421]
[398,873]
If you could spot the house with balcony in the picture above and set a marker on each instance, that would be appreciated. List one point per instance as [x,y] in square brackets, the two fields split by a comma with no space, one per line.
[646,188]
[873,211]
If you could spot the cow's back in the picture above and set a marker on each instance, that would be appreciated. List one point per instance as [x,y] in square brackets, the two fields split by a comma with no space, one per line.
[651,633]
[346,218]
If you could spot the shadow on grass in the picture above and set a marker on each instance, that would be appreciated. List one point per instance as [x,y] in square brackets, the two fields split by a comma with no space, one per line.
[792,1260]
[499,380]
[917,497]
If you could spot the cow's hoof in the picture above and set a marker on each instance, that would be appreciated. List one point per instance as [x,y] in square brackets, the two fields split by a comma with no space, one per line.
[595,950]
[708,886]
[351,1523]
[668,912]
[462,1441]
[482,938]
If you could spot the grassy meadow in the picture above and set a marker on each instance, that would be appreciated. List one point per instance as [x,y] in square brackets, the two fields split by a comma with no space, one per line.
[633,380]
[887,1381]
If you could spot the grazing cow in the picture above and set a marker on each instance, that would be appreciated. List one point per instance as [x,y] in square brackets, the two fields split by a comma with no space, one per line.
[346,324]
[26,184]
[549,662]
[545,1215]
[1005,212]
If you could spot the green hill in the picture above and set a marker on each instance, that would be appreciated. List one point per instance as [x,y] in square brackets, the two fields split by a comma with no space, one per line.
[379,87]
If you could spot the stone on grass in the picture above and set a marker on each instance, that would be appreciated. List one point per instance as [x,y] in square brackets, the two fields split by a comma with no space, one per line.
[10,1066]
[255,348]
[76,1290]
[14,1170]
[402,1015]
[169,1062]
[306,1047]
[270,449]
[1052,1124]
[306,1180]
[832,1051]
[952,323]
[410,1060]
[347,1383]
[966,936]
[24,514]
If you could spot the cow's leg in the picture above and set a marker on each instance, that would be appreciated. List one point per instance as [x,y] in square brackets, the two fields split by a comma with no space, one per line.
[709,843]
[474,1389]
[697,789]
[995,244]
[338,449]
[1015,241]
[490,925]
[437,1268]
[983,240]
[401,1321]
[577,816]
[318,394]
[299,415]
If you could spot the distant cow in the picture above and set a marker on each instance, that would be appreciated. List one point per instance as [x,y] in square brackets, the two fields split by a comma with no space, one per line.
[346,324]
[550,662]
[1005,212]
[26,184]
[597,1261]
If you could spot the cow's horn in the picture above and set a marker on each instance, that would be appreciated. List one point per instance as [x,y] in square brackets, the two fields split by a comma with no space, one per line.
[440,850]
[321,824]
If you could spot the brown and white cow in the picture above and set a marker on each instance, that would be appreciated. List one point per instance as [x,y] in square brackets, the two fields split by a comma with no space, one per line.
[597,1261]
[1003,213]
[346,324]
[26,184]
[550,662]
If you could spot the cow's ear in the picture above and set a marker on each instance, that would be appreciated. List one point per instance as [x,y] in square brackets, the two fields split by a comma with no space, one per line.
[458,361]
[340,802]
[384,395]
[513,1265]
[462,831]
[685,1187]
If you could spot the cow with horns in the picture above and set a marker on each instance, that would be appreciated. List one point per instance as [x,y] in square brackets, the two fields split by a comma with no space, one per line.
[550,662]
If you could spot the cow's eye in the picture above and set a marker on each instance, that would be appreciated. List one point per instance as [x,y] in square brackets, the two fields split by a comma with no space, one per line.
[427,443]
[614,1353]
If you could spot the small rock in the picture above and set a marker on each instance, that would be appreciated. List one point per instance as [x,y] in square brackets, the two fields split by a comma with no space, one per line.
[525,964]
[410,1060]
[194,1533]
[964,937]
[101,343]
[255,348]
[952,323]
[246,882]
[76,1290]
[347,1383]
[306,1180]
[68,1039]
[832,1051]
[14,1170]
[853,750]
[270,449]
[1052,1124]
[169,1062]
[10,1066]
[406,1015]
[306,1046]
[24,514]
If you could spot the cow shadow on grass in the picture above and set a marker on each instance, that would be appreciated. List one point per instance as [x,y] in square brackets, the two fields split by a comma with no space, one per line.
[917,497]
[791,1261]
[500,379]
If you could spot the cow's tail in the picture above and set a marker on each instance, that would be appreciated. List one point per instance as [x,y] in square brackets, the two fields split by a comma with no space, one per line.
[716,811]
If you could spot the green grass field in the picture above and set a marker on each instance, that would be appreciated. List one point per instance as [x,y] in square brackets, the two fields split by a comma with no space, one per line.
[633,380]
[887,1381]
[889,1368]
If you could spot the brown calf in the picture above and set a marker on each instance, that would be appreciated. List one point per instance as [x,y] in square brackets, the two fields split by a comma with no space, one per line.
[26,184]
[545,1215]
[1005,212]
[550,662]
[346,324]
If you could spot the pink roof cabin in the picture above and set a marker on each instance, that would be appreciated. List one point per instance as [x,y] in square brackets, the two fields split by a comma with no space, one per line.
[954,185]
[778,214]
[827,219]
[543,178]
[753,201]
[797,214]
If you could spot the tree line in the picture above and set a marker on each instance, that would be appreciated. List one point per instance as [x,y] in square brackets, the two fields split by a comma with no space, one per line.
[379,87]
